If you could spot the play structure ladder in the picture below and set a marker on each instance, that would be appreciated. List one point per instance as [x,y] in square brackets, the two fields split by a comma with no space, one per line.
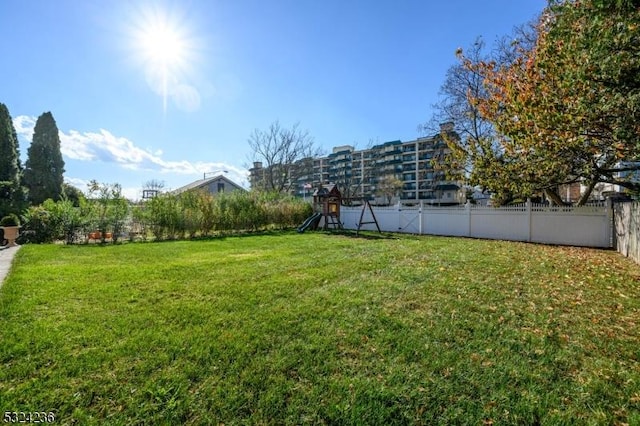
[373,216]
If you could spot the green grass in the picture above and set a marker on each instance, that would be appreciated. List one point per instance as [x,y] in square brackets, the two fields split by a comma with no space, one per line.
[316,328]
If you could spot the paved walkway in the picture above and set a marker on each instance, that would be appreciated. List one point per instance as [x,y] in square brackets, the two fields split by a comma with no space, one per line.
[6,257]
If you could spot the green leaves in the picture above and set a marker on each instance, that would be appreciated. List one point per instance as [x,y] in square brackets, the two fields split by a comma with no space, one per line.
[11,192]
[567,108]
[195,213]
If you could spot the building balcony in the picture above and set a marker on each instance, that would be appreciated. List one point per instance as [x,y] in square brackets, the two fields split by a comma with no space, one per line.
[392,150]
[340,160]
[408,195]
[424,195]
[426,167]
[408,177]
[390,169]
[389,160]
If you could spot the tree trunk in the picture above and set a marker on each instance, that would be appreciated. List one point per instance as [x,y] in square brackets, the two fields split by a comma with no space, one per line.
[585,197]
[554,197]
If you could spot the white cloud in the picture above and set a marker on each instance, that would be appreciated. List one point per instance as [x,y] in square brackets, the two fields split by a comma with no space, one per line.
[81,184]
[106,147]
[24,125]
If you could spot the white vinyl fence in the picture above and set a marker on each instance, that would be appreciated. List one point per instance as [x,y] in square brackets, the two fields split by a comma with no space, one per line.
[589,226]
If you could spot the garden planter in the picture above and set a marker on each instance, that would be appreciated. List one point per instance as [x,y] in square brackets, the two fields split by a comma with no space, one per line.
[98,235]
[11,234]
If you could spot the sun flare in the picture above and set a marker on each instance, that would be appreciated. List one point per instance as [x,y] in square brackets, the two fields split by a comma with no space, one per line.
[165,49]
[163,44]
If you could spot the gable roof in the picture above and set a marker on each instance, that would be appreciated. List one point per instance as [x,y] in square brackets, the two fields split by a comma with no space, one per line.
[201,183]
[327,190]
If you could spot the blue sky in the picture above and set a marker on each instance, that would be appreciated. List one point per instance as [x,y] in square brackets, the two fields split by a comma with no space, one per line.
[168,90]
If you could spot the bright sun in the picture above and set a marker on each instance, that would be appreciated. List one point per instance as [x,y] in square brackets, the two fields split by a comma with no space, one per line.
[163,44]
[165,50]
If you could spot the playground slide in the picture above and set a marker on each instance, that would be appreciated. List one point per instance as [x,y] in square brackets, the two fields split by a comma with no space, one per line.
[312,221]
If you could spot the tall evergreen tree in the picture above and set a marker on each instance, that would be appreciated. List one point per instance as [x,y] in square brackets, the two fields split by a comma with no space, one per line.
[11,194]
[43,175]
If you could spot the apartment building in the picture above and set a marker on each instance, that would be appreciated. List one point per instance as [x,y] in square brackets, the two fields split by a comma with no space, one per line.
[383,173]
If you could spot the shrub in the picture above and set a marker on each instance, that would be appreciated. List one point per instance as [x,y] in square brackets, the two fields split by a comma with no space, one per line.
[165,216]
[140,222]
[192,219]
[109,210]
[207,210]
[10,220]
[65,220]
[38,227]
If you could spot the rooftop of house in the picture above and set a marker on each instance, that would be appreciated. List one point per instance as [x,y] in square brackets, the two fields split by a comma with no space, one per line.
[201,183]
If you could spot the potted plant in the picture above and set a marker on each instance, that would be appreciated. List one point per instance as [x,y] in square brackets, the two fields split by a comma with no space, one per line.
[10,224]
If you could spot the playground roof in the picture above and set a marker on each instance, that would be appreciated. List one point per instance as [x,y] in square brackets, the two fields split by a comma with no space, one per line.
[328,190]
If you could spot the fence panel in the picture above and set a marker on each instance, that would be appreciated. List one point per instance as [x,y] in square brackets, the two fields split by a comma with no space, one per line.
[409,219]
[580,226]
[387,218]
[505,223]
[446,221]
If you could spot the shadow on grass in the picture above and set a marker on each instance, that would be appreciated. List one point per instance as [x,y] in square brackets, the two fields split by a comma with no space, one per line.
[367,235]
[221,236]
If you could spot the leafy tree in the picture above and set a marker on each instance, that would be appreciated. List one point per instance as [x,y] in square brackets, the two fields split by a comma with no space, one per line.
[73,194]
[473,135]
[11,193]
[39,226]
[281,152]
[111,208]
[567,108]
[43,175]
[66,221]
[388,187]
[166,216]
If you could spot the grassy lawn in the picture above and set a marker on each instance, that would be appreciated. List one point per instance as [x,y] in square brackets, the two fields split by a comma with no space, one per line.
[315,328]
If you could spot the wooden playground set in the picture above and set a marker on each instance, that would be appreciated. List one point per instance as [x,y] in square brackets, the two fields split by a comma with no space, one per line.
[326,209]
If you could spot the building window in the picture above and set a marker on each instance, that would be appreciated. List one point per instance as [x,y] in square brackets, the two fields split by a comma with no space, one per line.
[220,186]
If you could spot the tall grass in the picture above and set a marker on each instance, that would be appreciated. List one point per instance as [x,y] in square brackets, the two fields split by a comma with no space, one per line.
[194,213]
[166,217]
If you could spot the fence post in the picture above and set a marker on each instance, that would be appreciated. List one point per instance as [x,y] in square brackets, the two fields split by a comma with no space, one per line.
[630,228]
[420,217]
[610,220]
[467,208]
[529,221]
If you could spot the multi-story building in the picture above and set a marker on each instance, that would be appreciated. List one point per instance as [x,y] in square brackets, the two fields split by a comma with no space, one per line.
[384,173]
